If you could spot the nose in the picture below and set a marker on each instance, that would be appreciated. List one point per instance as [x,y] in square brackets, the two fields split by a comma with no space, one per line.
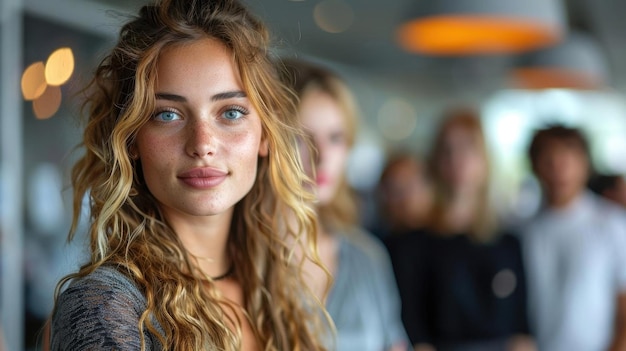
[201,139]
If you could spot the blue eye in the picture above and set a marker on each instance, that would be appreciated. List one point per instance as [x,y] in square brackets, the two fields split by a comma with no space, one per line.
[167,116]
[337,138]
[233,114]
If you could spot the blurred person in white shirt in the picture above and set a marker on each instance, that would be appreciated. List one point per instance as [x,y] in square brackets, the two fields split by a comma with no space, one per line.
[575,251]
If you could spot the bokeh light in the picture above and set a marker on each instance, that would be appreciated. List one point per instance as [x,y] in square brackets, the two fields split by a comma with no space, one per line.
[397,119]
[47,104]
[33,81]
[333,16]
[60,66]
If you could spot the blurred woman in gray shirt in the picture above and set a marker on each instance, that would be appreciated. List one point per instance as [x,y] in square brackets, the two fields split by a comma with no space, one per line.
[363,299]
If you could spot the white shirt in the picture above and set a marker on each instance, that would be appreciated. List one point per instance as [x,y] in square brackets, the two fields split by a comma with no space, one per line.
[576,266]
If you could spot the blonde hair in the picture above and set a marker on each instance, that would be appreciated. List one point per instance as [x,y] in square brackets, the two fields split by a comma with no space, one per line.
[303,77]
[483,226]
[127,228]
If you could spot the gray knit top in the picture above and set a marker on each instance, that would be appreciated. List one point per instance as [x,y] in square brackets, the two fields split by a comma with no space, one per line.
[100,312]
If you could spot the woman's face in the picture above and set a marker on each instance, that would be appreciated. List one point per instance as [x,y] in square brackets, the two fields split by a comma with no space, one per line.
[408,195]
[200,148]
[461,162]
[323,118]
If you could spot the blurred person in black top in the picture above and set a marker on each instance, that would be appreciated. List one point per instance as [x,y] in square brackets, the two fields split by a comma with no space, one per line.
[461,280]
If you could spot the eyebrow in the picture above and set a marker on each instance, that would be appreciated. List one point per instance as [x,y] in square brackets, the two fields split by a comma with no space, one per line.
[228,95]
[217,97]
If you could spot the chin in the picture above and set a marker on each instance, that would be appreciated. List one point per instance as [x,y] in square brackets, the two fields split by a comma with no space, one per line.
[321,194]
[324,199]
[322,202]
[201,211]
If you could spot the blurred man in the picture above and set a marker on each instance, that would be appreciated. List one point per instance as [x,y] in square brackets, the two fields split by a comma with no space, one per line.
[575,252]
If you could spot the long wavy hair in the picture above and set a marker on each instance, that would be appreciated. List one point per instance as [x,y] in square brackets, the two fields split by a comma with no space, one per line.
[127,228]
[483,226]
[341,212]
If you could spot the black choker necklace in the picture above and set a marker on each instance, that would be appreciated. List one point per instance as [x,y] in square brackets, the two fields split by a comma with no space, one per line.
[227,274]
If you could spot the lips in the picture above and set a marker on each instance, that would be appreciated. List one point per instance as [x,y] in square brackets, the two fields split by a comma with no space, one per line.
[322,179]
[203,178]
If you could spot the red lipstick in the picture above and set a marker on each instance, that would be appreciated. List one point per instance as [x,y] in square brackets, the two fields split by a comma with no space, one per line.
[321,179]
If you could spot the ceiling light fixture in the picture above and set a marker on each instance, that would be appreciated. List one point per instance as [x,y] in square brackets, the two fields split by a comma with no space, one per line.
[578,62]
[469,27]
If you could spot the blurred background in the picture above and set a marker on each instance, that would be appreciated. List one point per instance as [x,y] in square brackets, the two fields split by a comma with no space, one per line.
[524,64]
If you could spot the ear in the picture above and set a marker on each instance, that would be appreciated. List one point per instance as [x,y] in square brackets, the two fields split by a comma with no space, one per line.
[264,148]
[133,153]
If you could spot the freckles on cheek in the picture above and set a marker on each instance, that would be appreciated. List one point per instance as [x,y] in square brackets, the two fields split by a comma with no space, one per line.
[155,155]
[245,144]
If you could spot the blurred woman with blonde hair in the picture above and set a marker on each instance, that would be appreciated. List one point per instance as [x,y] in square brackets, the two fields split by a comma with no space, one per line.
[363,300]
[461,280]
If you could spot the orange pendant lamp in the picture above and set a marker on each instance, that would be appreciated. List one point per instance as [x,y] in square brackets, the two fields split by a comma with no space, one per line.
[578,62]
[479,27]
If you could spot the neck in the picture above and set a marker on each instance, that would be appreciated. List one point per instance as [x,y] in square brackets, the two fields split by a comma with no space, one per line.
[206,239]
[322,233]
[561,201]
[326,242]
[460,211]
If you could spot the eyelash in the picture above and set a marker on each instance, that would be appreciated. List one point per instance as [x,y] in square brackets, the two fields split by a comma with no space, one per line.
[237,108]
[164,110]
[244,112]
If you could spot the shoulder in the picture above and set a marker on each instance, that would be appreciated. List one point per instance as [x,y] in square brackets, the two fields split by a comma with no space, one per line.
[408,244]
[98,311]
[608,216]
[509,238]
[106,281]
[608,210]
[360,243]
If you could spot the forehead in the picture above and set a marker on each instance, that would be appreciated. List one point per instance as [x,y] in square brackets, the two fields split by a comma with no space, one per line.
[460,134]
[320,111]
[197,64]
[561,145]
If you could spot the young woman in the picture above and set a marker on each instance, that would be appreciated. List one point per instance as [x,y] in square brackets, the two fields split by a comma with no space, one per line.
[363,301]
[462,281]
[190,167]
